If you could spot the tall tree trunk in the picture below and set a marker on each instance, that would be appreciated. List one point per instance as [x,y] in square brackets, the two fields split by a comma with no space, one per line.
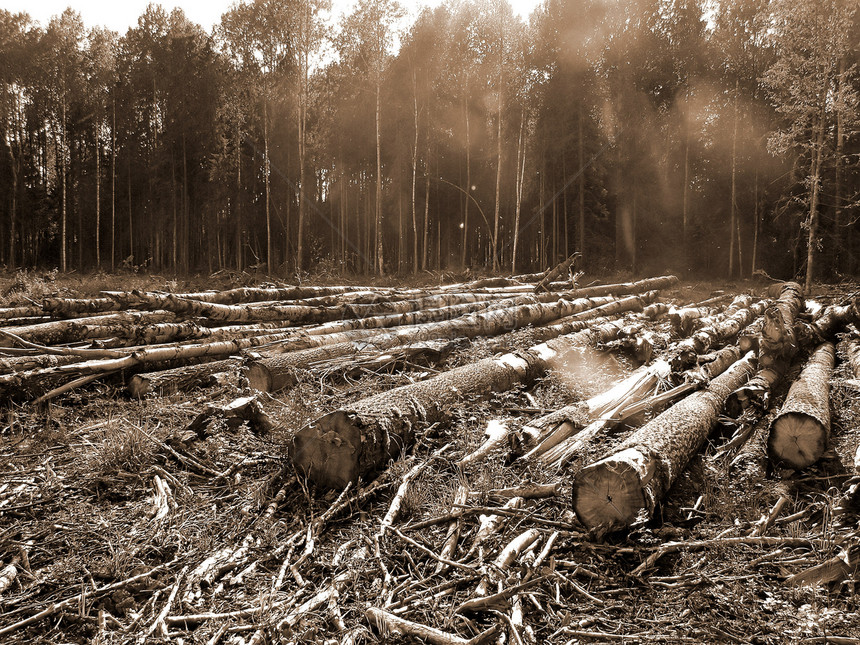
[685,210]
[496,213]
[733,192]
[465,247]
[269,246]
[520,177]
[63,169]
[380,268]
[415,259]
[581,170]
[98,198]
[130,216]
[426,255]
[837,188]
[813,199]
[113,190]
[238,209]
[302,154]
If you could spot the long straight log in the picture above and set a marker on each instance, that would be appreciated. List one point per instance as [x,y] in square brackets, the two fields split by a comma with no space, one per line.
[267,312]
[778,341]
[274,372]
[619,408]
[719,331]
[69,331]
[359,439]
[800,432]
[612,492]
[179,379]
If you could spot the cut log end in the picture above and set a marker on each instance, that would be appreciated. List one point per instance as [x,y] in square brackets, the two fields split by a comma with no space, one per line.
[797,439]
[139,386]
[258,376]
[608,495]
[327,451]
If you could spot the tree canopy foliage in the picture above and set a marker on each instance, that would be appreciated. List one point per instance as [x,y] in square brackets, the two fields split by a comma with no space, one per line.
[702,136]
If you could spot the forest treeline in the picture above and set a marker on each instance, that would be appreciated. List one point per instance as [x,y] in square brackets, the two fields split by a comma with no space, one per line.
[716,137]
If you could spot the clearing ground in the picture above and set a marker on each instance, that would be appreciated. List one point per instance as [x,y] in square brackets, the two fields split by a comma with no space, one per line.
[179,514]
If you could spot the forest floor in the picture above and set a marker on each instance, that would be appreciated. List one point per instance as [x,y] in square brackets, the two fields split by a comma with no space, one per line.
[111,507]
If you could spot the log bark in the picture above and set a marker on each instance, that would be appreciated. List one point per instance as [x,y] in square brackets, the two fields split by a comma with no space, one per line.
[357,440]
[800,433]
[57,332]
[556,272]
[179,379]
[274,372]
[755,392]
[296,314]
[778,340]
[612,492]
[719,331]
[853,350]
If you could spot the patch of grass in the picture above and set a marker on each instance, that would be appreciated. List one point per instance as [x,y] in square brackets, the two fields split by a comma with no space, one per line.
[123,448]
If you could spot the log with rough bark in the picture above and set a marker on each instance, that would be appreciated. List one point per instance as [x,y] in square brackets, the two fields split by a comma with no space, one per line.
[719,331]
[559,270]
[56,332]
[359,439]
[180,379]
[756,391]
[853,351]
[296,314]
[612,492]
[546,432]
[274,372]
[624,408]
[778,341]
[800,432]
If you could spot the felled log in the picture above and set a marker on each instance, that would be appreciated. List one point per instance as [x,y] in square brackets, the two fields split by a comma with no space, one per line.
[559,270]
[359,439]
[853,350]
[721,330]
[179,379]
[303,314]
[625,407]
[778,340]
[543,433]
[612,492]
[800,432]
[756,391]
[274,372]
[57,332]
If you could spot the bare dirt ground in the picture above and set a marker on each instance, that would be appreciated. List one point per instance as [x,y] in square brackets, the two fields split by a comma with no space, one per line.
[126,523]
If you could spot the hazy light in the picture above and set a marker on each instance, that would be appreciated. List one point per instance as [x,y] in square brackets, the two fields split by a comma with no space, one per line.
[120,16]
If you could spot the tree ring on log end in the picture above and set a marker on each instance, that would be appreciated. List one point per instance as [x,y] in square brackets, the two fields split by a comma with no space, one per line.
[609,494]
[328,451]
[797,439]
